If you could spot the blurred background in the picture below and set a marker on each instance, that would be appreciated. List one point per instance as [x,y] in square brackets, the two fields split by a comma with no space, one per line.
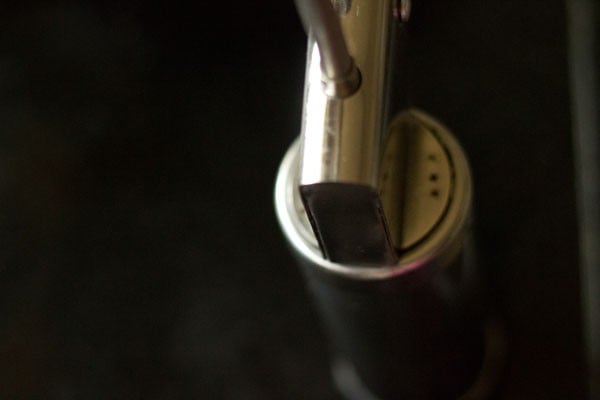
[139,141]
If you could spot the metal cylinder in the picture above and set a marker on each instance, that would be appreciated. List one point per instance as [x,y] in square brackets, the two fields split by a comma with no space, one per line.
[413,330]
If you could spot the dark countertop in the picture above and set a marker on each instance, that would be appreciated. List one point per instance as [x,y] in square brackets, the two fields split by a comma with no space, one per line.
[139,252]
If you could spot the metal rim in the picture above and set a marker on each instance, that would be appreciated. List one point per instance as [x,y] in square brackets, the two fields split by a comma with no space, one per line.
[443,245]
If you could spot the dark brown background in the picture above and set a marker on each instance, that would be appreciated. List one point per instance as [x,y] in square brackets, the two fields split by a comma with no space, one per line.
[139,252]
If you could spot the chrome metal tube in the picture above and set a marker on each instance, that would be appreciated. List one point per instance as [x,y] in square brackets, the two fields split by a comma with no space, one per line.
[342,143]
[342,138]
[320,21]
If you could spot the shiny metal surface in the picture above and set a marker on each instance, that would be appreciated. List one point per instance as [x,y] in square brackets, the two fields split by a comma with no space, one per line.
[342,138]
[443,242]
[342,143]
[340,77]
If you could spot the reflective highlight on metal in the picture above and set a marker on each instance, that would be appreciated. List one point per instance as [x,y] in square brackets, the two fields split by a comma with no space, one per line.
[342,142]
[340,77]
[342,138]
[442,243]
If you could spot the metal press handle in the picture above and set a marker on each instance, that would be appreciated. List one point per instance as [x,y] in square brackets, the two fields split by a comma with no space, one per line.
[340,76]
[344,127]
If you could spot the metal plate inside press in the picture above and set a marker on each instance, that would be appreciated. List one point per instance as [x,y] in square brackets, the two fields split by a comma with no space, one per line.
[415,180]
